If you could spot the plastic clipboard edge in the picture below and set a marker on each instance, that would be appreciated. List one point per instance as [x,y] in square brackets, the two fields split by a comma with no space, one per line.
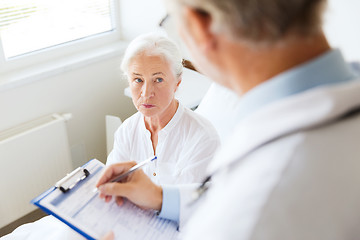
[46,210]
[36,201]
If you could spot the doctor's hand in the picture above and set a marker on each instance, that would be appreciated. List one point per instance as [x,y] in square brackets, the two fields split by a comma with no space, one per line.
[137,187]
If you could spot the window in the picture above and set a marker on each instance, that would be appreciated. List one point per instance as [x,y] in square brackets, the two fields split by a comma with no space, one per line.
[30,26]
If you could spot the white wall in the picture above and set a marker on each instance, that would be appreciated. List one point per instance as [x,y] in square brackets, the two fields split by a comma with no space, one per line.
[342,27]
[89,93]
[140,16]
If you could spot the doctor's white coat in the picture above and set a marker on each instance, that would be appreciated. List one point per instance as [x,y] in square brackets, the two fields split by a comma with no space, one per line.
[290,171]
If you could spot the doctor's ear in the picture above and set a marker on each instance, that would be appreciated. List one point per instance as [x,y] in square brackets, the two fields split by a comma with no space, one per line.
[199,27]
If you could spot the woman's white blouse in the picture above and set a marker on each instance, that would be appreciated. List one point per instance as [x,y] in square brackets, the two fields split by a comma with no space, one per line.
[185,147]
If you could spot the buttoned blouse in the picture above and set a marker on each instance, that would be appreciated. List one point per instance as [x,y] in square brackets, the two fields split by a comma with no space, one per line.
[185,147]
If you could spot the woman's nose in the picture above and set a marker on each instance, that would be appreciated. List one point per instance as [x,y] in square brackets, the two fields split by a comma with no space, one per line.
[147,90]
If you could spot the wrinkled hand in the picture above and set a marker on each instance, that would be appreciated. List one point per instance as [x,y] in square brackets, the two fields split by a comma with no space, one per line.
[137,187]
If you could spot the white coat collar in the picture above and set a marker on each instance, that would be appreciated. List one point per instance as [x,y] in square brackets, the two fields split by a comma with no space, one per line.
[297,112]
[328,68]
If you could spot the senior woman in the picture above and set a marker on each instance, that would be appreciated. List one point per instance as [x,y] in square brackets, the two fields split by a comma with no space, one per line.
[183,141]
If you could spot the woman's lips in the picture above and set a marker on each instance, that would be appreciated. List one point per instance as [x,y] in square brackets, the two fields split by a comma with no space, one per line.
[147,105]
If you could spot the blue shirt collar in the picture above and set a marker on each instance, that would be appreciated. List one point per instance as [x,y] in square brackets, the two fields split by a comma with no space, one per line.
[329,68]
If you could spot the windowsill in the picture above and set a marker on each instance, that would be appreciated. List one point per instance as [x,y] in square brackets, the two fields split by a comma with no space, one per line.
[40,71]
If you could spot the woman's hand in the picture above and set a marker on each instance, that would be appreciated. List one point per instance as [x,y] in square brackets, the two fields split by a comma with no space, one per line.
[137,187]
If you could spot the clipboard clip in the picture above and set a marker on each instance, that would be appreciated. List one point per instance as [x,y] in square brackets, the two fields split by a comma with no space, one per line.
[71,179]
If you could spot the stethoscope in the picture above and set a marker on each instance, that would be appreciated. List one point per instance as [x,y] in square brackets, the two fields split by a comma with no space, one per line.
[205,185]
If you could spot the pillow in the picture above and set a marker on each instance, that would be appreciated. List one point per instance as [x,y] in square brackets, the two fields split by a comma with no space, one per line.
[193,88]
[219,106]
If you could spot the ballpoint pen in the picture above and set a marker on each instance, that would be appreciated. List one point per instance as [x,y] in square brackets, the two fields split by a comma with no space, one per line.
[131,170]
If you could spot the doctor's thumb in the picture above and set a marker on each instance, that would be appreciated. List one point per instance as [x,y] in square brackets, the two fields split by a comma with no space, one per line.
[114,189]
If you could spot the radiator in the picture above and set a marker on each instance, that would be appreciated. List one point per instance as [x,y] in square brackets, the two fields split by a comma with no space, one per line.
[33,156]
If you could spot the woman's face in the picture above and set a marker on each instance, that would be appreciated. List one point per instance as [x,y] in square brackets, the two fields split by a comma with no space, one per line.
[153,85]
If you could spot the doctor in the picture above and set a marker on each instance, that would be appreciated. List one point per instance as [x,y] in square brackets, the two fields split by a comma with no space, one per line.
[291,169]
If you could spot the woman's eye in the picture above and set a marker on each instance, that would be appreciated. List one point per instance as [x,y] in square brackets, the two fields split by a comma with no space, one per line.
[137,80]
[159,80]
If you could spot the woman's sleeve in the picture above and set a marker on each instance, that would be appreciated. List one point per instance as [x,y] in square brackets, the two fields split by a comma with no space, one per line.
[197,157]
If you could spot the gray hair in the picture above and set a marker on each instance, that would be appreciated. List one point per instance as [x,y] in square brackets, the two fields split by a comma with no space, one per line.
[263,21]
[154,44]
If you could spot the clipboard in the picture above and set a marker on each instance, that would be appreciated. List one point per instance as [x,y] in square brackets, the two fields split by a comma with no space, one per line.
[73,201]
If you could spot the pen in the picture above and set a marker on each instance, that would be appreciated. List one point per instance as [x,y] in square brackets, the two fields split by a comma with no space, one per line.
[131,170]
[134,168]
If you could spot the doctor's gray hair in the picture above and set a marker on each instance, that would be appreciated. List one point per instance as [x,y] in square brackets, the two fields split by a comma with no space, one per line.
[257,21]
[154,44]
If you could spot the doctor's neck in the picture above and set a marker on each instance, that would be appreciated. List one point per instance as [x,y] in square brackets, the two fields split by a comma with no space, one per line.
[248,67]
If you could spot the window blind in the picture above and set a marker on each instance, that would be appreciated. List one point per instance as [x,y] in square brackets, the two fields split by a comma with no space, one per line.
[27,26]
